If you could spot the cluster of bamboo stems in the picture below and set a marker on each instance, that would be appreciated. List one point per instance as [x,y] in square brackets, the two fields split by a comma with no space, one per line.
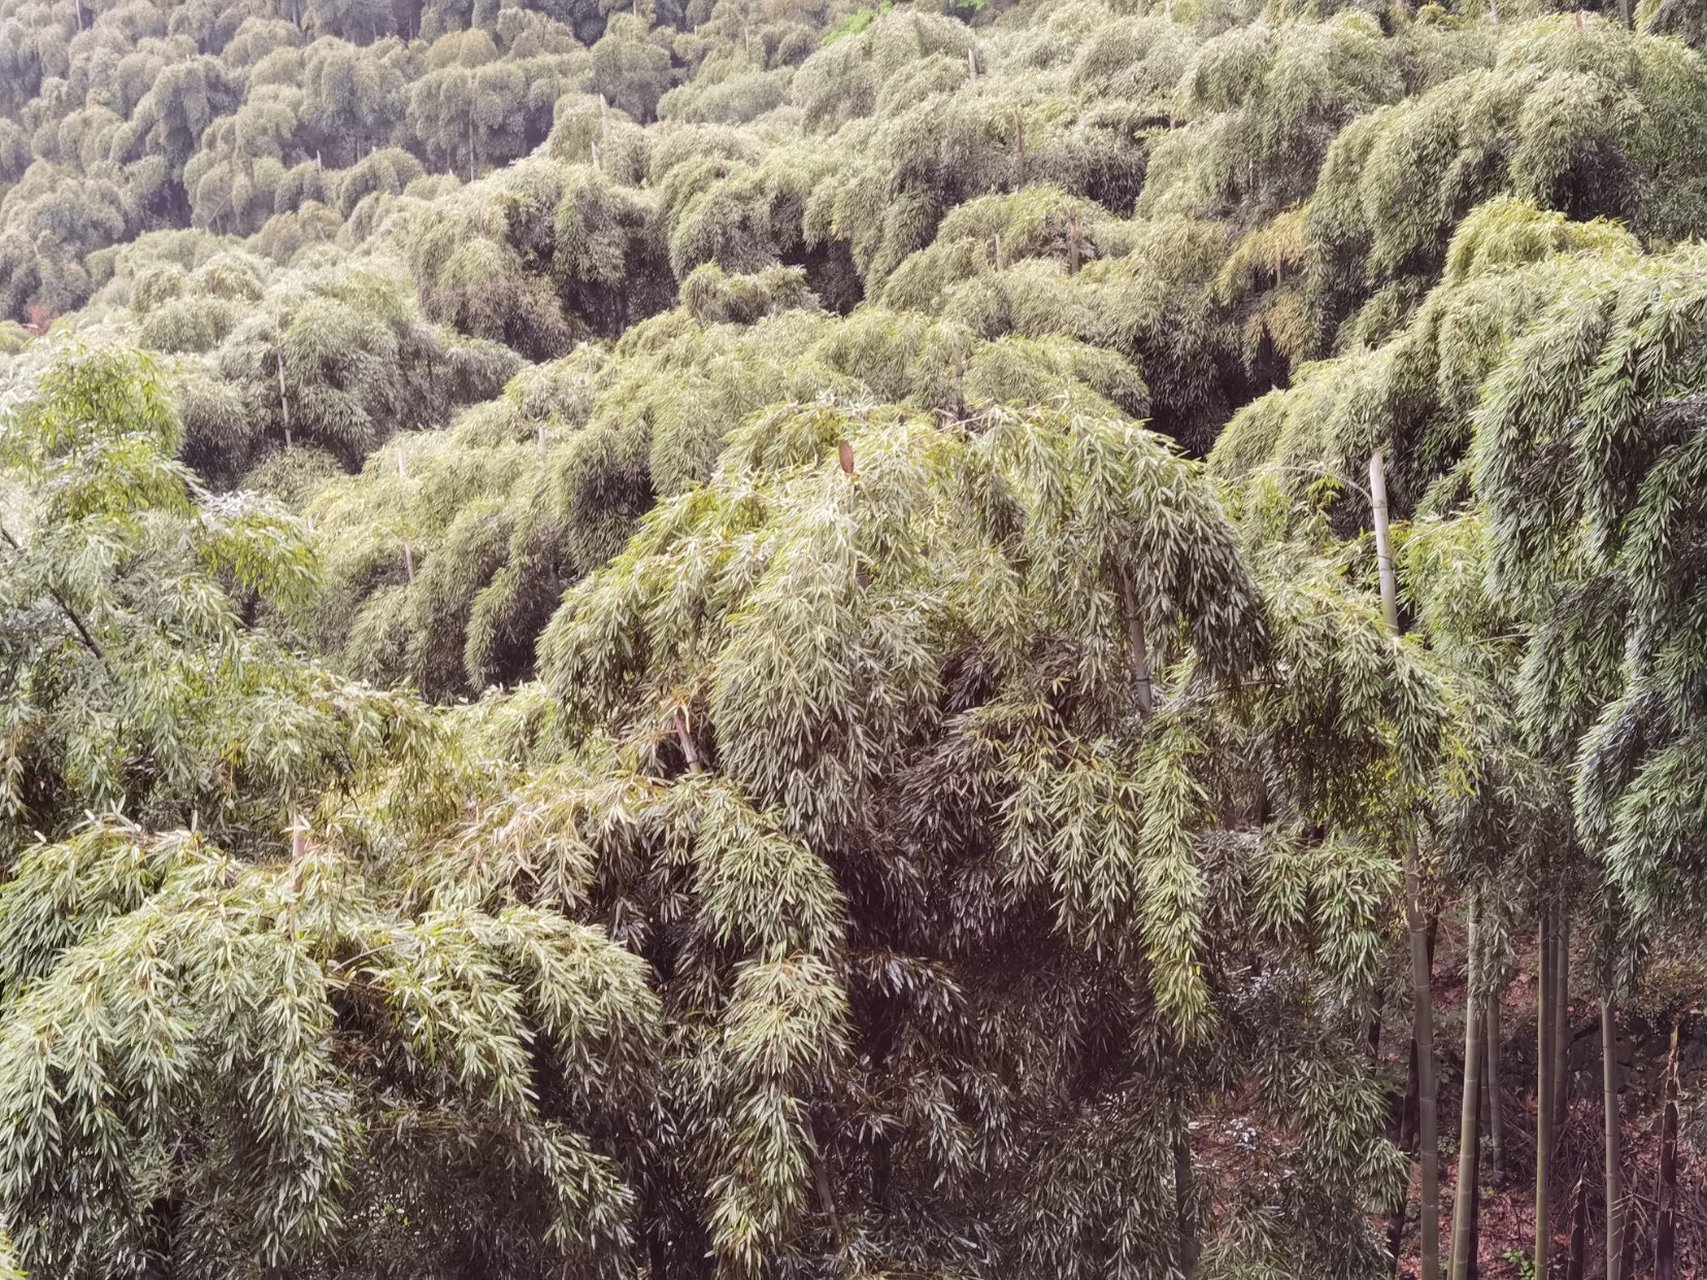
[1482,1116]
[1482,1054]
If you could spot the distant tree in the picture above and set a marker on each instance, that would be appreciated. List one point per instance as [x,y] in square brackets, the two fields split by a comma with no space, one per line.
[606,253]
[51,222]
[258,36]
[15,154]
[629,69]
[169,121]
[1259,105]
[388,171]
[210,24]
[352,99]
[238,177]
[1576,115]
[359,21]
[341,360]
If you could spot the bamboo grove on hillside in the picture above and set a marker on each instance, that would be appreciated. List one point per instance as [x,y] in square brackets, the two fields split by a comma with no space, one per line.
[771,640]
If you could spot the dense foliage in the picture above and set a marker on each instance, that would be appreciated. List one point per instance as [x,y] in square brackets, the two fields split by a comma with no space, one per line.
[756,638]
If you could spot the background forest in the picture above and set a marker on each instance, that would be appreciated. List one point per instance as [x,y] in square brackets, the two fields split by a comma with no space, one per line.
[771,640]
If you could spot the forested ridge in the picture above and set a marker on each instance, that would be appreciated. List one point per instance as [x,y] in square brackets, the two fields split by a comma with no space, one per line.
[769,639]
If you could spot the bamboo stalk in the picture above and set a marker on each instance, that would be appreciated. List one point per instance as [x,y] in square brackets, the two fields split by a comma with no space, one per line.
[821,1176]
[1139,646]
[1408,1109]
[1403,1128]
[1383,541]
[1579,1234]
[1665,1226]
[1496,1101]
[1476,1204]
[1543,1089]
[1614,1165]
[1185,1196]
[1469,1113]
[284,398]
[690,749]
[1561,1023]
[71,615]
[1422,984]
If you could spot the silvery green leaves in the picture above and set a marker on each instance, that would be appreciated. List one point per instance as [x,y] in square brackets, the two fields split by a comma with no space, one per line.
[964,694]
[180,1050]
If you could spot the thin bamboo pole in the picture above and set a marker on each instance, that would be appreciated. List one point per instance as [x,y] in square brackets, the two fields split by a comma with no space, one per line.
[1422,985]
[1544,1008]
[1469,1113]
[1496,1100]
[1614,1162]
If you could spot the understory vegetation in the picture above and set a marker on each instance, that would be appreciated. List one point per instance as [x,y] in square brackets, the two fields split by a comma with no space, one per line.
[777,640]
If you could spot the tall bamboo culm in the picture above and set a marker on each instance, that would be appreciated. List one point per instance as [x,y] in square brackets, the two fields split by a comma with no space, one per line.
[1496,1107]
[1422,985]
[1469,1113]
[1544,1011]
[1614,1163]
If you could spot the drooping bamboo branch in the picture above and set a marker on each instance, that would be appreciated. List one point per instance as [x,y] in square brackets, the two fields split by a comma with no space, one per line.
[1422,984]
[84,638]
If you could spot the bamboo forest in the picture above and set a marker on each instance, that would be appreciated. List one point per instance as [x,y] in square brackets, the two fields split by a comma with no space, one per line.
[806,640]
